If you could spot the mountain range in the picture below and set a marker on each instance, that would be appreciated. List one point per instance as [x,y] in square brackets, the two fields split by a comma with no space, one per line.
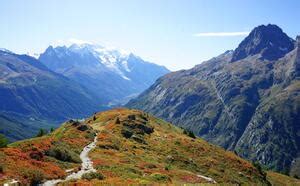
[66,83]
[114,76]
[246,100]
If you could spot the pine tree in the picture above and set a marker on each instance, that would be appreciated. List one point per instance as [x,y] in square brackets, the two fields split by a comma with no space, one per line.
[51,129]
[41,132]
[3,141]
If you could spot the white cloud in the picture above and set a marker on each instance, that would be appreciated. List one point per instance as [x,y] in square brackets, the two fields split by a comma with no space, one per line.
[78,41]
[221,34]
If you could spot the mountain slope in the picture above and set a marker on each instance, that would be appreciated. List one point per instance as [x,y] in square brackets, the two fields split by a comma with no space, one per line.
[248,103]
[30,93]
[133,148]
[112,75]
[16,126]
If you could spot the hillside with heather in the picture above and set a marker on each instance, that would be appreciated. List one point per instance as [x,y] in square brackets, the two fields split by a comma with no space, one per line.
[131,147]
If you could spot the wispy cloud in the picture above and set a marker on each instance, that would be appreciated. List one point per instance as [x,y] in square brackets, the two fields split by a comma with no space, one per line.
[68,42]
[220,34]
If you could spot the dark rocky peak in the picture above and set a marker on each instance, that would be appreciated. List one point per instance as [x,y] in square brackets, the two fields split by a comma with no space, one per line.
[50,48]
[268,40]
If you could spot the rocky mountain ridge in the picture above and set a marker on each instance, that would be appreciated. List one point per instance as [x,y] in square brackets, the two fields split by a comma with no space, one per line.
[248,104]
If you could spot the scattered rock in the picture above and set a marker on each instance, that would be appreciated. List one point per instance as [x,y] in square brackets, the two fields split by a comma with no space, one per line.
[170,158]
[109,146]
[83,127]
[138,139]
[117,121]
[131,117]
[151,166]
[37,155]
[126,133]
[74,123]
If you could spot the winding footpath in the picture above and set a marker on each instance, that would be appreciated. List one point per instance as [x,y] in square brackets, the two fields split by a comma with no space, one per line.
[86,165]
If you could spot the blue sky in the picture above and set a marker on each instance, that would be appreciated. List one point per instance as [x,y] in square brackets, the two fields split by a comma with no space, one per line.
[176,33]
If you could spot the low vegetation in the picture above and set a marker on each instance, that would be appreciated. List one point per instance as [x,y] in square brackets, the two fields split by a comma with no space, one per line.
[92,175]
[189,133]
[61,152]
[36,176]
[34,160]
[136,148]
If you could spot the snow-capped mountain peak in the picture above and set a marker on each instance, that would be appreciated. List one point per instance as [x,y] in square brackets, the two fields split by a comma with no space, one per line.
[110,73]
[34,55]
[5,50]
[113,59]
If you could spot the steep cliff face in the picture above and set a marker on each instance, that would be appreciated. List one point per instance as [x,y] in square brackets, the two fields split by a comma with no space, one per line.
[245,100]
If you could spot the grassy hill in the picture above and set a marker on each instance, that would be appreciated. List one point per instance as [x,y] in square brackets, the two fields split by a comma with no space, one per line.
[133,148]
[277,179]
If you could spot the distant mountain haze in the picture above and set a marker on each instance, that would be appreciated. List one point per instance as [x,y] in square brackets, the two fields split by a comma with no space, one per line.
[31,93]
[246,100]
